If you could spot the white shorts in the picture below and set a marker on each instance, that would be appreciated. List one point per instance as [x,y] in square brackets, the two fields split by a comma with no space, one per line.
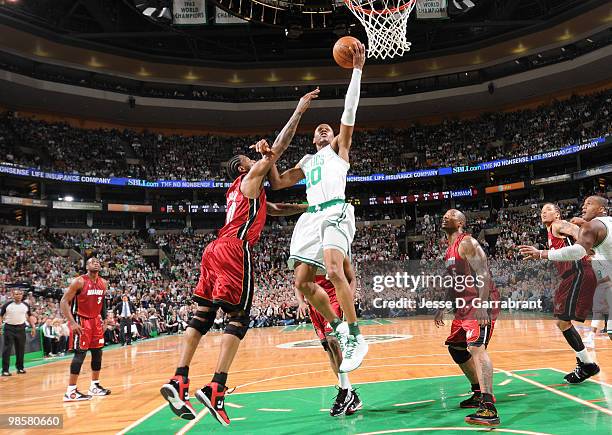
[602,300]
[330,228]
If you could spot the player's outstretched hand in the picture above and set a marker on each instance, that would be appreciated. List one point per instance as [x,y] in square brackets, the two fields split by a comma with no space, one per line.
[577,221]
[530,252]
[439,318]
[263,148]
[359,55]
[305,101]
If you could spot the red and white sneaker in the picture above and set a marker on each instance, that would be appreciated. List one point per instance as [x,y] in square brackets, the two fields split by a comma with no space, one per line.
[213,397]
[76,396]
[176,393]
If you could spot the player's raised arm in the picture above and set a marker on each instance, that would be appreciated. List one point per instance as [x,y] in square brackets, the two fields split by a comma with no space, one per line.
[288,178]
[351,101]
[252,182]
[281,209]
[470,249]
[73,289]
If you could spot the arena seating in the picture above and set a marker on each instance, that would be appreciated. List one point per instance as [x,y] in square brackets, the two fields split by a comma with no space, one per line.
[59,147]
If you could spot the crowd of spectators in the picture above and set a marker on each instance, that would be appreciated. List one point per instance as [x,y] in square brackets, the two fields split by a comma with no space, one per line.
[160,286]
[58,146]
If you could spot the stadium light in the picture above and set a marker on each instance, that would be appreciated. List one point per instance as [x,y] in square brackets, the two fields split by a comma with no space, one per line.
[68,198]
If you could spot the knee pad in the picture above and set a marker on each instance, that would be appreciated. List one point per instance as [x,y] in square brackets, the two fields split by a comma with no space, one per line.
[77,362]
[203,326]
[459,354]
[96,359]
[235,330]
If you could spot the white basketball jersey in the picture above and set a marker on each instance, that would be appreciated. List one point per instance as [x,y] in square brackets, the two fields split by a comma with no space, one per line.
[325,174]
[602,260]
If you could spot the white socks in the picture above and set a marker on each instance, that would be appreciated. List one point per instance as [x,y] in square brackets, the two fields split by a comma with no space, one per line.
[70,389]
[343,378]
[584,356]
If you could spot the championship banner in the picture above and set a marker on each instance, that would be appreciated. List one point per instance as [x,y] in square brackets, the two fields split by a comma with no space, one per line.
[224,17]
[431,9]
[189,12]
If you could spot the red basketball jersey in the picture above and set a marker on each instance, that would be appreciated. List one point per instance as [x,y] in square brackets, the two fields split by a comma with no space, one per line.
[555,242]
[458,266]
[88,301]
[245,217]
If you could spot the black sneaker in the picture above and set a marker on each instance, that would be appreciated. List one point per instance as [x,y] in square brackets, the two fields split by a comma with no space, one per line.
[355,404]
[485,416]
[98,390]
[76,396]
[213,397]
[6,374]
[176,392]
[342,402]
[472,402]
[582,372]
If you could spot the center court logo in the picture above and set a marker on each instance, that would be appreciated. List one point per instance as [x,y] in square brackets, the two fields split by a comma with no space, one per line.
[370,339]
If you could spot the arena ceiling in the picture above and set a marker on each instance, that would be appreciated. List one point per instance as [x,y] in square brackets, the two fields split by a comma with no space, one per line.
[116,26]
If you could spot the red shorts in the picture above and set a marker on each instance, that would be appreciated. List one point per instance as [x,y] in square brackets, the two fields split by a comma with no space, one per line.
[469,332]
[574,297]
[226,276]
[92,336]
[322,326]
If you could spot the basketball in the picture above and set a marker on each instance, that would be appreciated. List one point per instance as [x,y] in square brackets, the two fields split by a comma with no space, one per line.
[342,51]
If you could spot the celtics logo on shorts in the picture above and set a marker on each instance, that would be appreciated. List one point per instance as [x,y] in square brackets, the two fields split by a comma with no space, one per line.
[371,339]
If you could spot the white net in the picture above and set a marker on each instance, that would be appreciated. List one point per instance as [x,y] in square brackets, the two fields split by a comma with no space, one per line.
[385,23]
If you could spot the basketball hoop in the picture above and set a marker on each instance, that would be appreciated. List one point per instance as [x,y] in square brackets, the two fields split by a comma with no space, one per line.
[385,26]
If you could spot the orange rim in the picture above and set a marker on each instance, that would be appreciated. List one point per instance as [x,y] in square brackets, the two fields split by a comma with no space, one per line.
[352,6]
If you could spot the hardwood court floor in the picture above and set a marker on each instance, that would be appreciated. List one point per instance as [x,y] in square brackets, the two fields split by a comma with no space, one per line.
[408,383]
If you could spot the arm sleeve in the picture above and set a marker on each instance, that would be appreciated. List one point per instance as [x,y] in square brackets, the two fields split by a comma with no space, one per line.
[568,253]
[29,312]
[3,309]
[351,101]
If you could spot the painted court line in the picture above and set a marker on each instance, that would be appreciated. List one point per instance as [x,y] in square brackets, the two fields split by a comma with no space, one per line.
[517,395]
[193,422]
[454,429]
[506,382]
[233,405]
[142,419]
[414,403]
[558,393]
[274,410]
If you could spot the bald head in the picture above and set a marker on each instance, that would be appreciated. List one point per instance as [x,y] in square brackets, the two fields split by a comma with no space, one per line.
[594,206]
[453,220]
